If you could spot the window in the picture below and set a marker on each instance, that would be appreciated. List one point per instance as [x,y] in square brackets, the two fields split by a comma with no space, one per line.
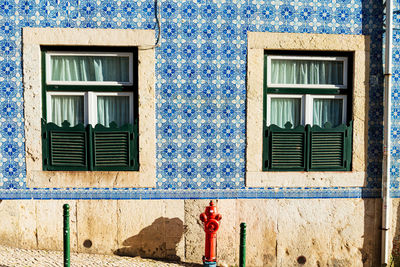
[140,45]
[90,108]
[307,122]
[353,47]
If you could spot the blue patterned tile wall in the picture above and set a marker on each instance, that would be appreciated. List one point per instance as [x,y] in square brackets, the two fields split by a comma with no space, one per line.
[395,131]
[200,88]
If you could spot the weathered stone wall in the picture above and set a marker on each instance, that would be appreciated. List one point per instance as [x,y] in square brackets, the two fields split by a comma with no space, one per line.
[324,232]
[395,230]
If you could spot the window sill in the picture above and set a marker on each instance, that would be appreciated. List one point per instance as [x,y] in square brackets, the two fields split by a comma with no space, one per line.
[306,179]
[33,38]
[258,42]
[101,179]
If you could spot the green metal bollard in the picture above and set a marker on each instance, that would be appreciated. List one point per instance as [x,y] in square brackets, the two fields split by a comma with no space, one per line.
[242,251]
[66,236]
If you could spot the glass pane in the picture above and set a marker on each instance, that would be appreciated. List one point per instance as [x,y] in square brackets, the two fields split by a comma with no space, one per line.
[327,110]
[285,71]
[285,110]
[67,108]
[90,68]
[113,108]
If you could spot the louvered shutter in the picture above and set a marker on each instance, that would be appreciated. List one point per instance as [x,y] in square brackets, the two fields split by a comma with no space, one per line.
[113,148]
[65,147]
[286,148]
[330,148]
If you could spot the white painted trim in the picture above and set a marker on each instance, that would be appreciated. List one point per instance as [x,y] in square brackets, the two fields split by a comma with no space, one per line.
[310,106]
[93,104]
[90,104]
[91,107]
[48,103]
[311,86]
[105,54]
[307,107]
[302,107]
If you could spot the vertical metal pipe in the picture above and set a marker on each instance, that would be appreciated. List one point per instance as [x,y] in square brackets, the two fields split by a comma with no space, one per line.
[242,250]
[66,236]
[386,201]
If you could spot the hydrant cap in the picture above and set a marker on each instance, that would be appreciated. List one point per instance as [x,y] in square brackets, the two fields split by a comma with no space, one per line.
[212,203]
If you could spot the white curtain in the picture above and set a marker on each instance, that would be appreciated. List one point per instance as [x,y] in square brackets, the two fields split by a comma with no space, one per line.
[327,110]
[113,108]
[69,108]
[284,71]
[90,68]
[285,110]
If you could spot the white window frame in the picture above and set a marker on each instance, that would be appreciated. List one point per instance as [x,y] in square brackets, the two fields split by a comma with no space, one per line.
[307,107]
[90,104]
[302,107]
[310,106]
[326,86]
[49,81]
[85,103]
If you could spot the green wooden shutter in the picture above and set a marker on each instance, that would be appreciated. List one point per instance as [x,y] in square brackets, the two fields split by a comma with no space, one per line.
[307,148]
[266,154]
[65,147]
[330,148]
[287,148]
[113,148]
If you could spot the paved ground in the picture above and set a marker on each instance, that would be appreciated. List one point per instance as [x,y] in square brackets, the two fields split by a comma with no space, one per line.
[10,257]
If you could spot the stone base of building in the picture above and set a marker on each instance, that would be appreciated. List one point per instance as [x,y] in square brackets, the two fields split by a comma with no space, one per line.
[287,232]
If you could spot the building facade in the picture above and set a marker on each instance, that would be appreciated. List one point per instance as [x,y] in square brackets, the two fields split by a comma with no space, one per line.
[199,84]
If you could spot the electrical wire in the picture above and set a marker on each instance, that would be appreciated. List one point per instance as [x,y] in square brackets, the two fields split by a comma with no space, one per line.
[156,14]
[157,6]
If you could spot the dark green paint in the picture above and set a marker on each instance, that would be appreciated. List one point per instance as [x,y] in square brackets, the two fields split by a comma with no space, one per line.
[303,91]
[302,151]
[95,88]
[81,148]
[55,160]
[330,148]
[67,258]
[285,148]
[308,148]
[55,156]
[114,148]
[242,248]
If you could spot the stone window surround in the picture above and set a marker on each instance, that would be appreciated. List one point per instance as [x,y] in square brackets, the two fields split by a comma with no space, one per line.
[258,42]
[33,38]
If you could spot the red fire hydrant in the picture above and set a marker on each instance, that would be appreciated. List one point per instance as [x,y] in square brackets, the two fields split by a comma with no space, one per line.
[210,218]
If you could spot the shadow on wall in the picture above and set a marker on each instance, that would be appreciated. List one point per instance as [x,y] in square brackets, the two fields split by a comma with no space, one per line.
[396,237]
[370,251]
[157,241]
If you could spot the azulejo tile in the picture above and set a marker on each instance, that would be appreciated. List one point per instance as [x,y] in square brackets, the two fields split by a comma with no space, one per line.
[201,91]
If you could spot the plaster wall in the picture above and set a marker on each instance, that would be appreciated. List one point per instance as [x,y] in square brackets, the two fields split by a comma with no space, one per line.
[394,231]
[326,232]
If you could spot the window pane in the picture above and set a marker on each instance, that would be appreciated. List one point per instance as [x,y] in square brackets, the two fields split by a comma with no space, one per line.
[90,68]
[113,108]
[67,108]
[289,71]
[285,110]
[327,110]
